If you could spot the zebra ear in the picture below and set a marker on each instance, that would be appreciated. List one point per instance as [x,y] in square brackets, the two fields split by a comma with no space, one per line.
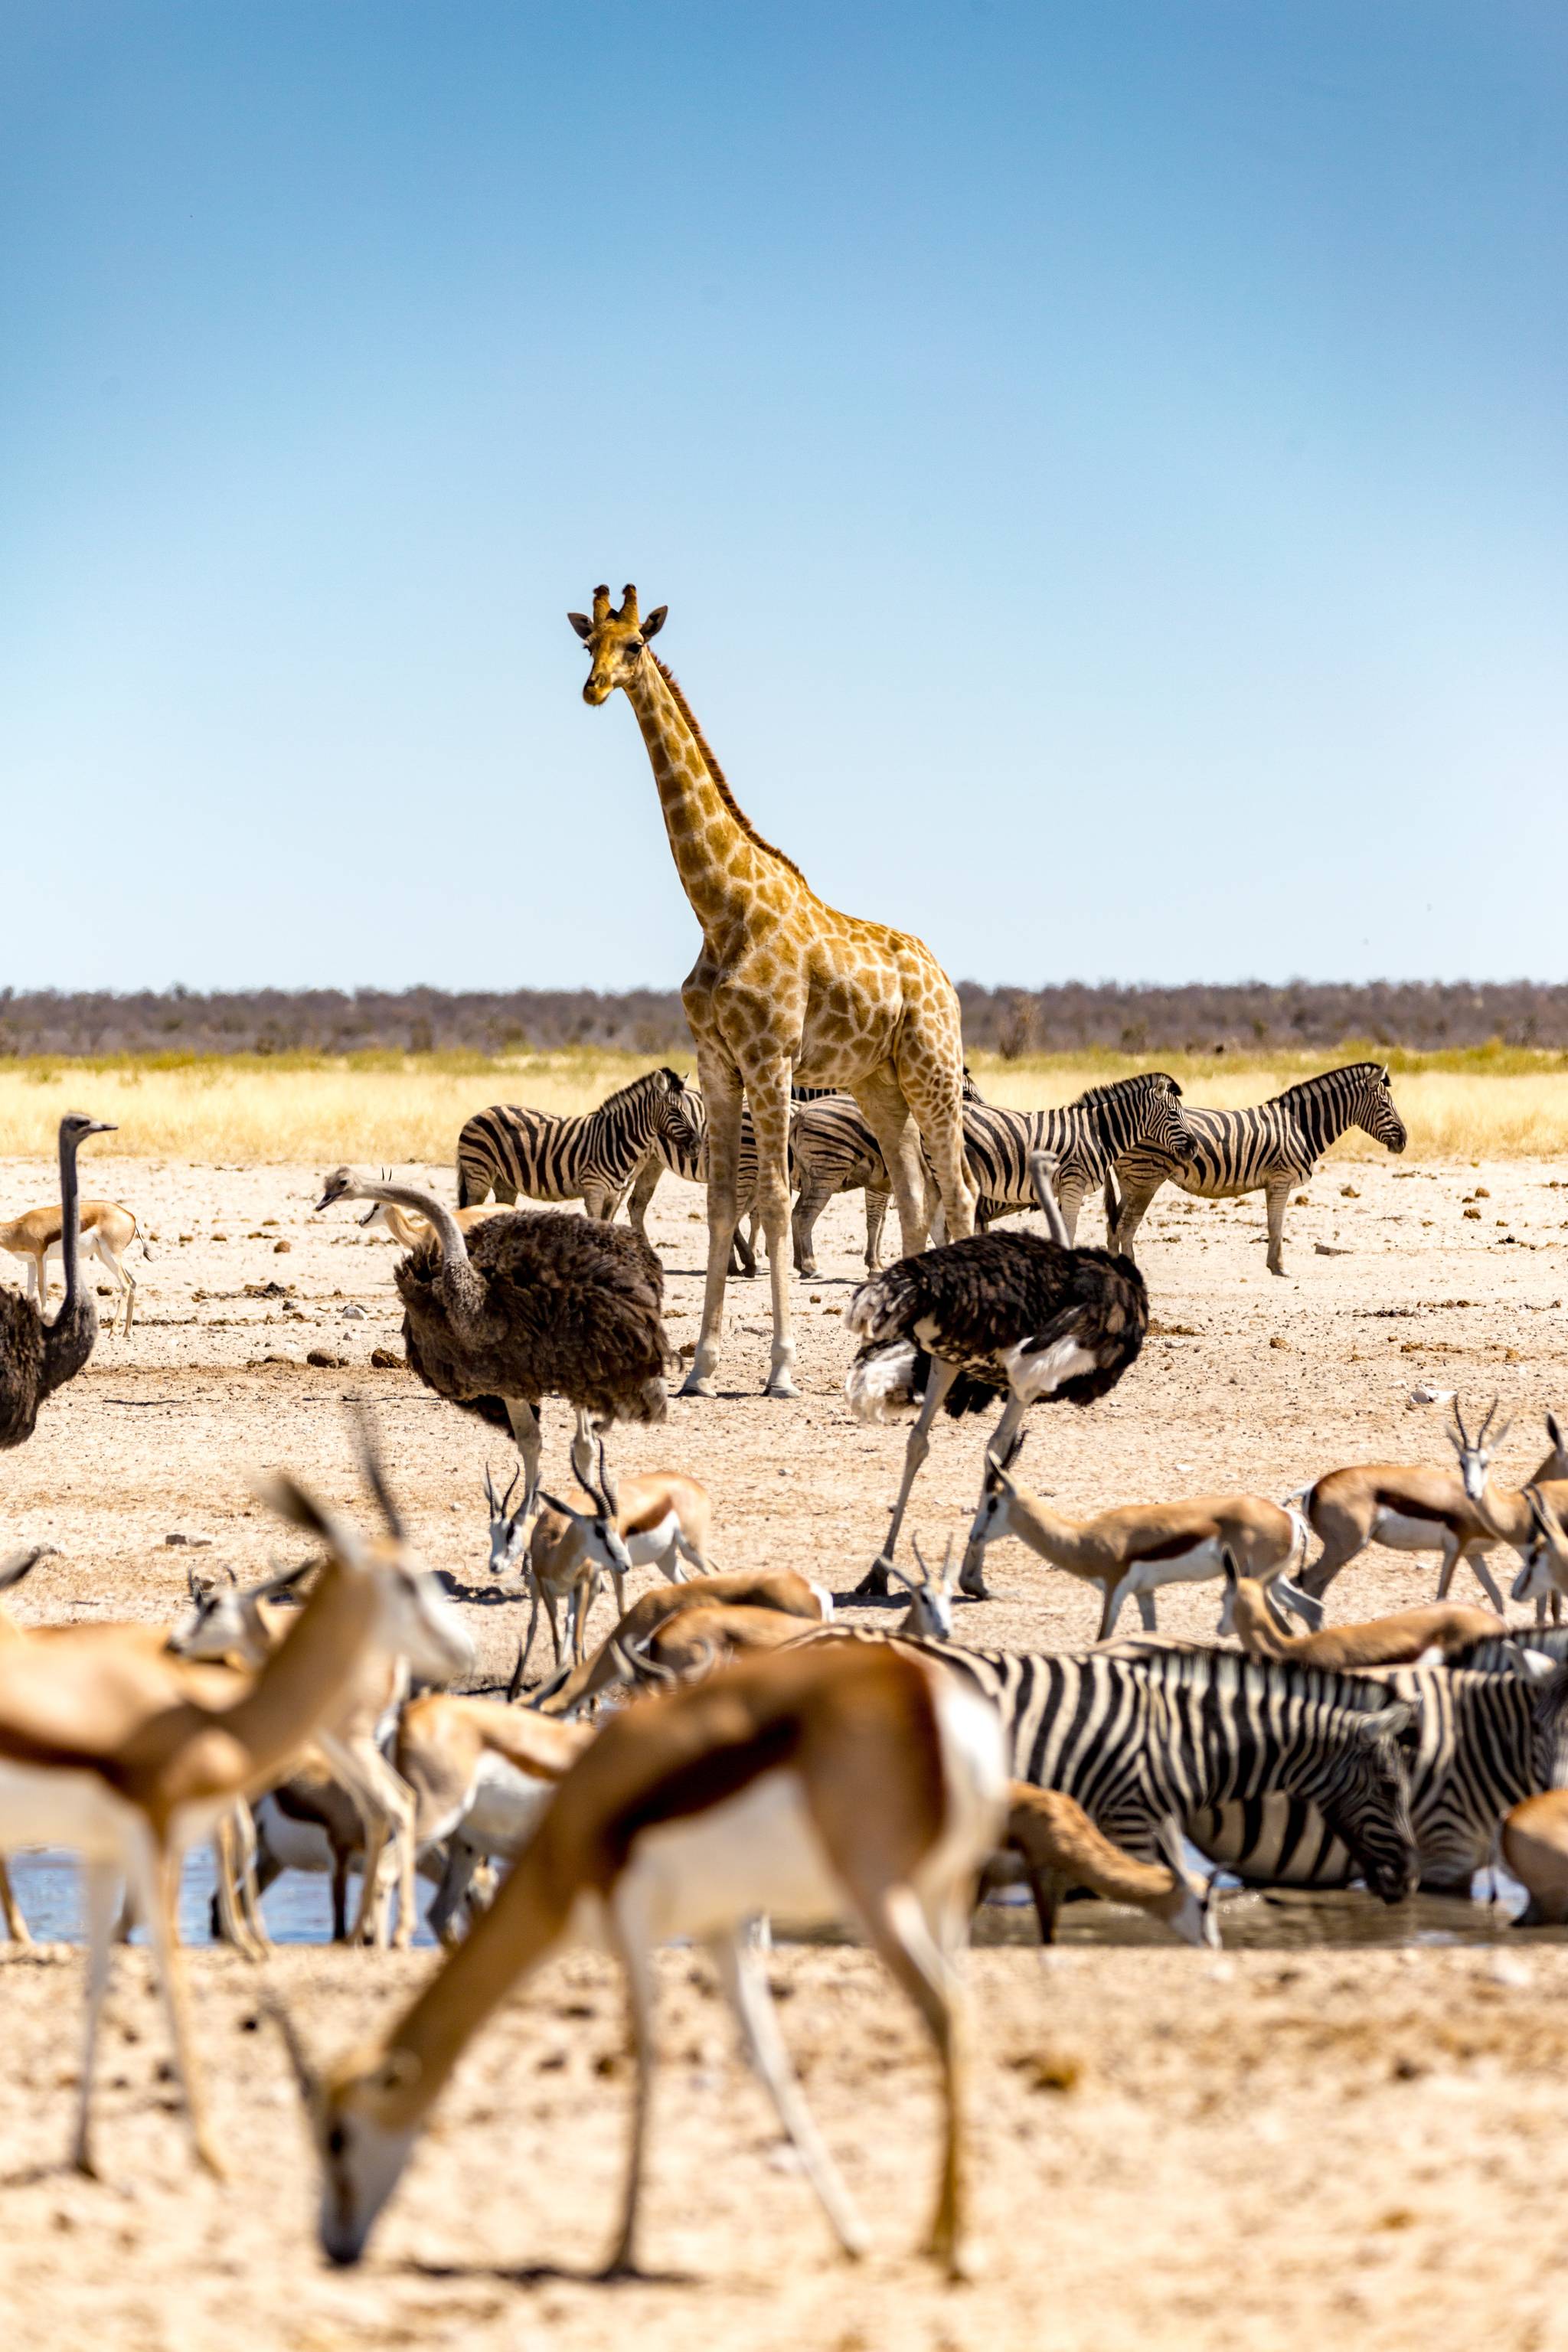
[1385,1722]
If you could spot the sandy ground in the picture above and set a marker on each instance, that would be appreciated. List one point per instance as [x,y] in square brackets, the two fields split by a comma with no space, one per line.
[1307,2145]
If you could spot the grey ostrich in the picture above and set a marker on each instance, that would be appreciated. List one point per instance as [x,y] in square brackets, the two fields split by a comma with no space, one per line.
[531,1303]
[38,1358]
[1004,1314]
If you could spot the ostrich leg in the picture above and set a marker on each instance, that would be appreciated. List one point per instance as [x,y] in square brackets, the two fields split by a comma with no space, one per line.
[873,1585]
[524,1420]
[972,1580]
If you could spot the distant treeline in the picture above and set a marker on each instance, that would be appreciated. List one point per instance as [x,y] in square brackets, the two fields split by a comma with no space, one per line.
[1009,1021]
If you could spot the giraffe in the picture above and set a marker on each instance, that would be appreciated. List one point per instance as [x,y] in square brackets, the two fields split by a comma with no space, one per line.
[784,989]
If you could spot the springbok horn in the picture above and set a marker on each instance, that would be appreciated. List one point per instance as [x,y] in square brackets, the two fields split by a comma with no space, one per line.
[375,1477]
[1464,1440]
[514,1688]
[607,1483]
[305,2073]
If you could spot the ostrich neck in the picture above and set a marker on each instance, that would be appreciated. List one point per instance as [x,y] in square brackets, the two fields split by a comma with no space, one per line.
[70,1238]
[458,1275]
[719,863]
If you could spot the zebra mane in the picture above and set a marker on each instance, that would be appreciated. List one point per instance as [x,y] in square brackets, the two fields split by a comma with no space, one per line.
[1120,1089]
[643,1084]
[1344,1070]
[1322,1685]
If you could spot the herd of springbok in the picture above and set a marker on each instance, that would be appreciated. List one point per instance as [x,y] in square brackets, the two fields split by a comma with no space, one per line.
[730,1752]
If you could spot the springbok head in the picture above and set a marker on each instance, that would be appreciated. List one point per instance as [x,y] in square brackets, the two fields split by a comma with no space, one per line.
[1476,1452]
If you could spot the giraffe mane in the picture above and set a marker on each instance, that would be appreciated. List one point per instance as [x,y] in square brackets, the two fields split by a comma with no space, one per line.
[721,781]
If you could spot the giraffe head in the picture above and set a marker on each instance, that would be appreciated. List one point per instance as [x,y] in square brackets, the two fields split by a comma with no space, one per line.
[614,639]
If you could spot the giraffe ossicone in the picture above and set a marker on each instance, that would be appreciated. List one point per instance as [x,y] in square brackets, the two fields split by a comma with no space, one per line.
[785,989]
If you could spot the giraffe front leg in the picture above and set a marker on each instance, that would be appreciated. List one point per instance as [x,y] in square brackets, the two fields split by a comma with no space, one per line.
[722,1095]
[768,1096]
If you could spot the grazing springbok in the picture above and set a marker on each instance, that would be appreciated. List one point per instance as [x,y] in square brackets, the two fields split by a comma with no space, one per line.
[107,1231]
[1410,1508]
[768,1588]
[104,1748]
[854,1780]
[1408,1637]
[1050,1843]
[1132,1552]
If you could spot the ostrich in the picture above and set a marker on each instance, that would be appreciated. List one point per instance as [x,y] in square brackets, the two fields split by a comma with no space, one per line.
[1001,1313]
[38,1358]
[531,1303]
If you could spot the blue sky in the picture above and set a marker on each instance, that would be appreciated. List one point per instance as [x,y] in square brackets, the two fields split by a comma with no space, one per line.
[1106,466]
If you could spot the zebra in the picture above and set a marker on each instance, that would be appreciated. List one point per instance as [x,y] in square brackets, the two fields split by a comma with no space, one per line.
[510,1149]
[1268,1148]
[1139,1739]
[1482,1741]
[1088,1138]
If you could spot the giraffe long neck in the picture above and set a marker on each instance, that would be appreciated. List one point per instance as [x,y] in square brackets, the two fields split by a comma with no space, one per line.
[719,862]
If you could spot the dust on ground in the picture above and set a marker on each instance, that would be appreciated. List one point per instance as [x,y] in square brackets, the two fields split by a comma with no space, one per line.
[1325,2146]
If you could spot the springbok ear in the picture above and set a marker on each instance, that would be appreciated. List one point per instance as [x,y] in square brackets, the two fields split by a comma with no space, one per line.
[655,621]
[582,623]
[1228,1569]
[1553,1433]
[562,1510]
[283,1495]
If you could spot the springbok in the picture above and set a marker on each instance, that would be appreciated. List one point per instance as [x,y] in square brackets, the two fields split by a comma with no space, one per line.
[1408,1637]
[1132,1552]
[237,1626]
[107,1229]
[663,1517]
[1544,1578]
[1410,1508]
[104,1749]
[480,1771]
[1049,1841]
[852,1780]
[768,1588]
[1533,1842]
[565,1553]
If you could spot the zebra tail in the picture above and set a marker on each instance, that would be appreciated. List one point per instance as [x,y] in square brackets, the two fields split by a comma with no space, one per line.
[1112,1205]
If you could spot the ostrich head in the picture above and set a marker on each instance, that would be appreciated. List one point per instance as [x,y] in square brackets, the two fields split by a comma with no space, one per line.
[615,639]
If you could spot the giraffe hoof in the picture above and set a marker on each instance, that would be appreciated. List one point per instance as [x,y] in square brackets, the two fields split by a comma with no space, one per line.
[781,1388]
[696,1384]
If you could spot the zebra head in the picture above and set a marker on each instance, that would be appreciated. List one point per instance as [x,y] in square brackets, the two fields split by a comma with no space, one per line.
[1550,1710]
[1373,1111]
[1355,1774]
[678,1117]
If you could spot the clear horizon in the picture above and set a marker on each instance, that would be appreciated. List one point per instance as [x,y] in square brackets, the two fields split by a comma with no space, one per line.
[1106,470]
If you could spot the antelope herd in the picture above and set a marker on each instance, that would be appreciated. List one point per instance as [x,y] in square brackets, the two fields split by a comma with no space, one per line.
[729,1751]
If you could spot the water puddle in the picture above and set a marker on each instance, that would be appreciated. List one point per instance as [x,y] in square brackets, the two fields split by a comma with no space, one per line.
[298,1911]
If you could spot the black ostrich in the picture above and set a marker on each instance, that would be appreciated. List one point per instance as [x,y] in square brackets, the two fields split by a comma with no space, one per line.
[531,1303]
[38,1358]
[1000,1314]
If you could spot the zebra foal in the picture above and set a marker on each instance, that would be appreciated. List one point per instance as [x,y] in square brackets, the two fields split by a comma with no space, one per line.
[1267,1150]
[510,1149]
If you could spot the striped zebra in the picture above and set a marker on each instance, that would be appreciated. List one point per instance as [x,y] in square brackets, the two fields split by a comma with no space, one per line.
[509,1150]
[1141,1737]
[1088,1138]
[1276,1144]
[1481,1742]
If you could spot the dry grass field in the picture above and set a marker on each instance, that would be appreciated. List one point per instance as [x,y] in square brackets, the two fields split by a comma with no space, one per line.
[1489,1104]
[1322,2143]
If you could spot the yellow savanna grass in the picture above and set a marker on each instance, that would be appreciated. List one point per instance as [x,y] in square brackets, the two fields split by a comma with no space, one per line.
[408,1110]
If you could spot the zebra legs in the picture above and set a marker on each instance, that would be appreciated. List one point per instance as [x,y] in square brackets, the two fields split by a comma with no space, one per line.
[1279,1192]
[873,1585]
[1130,1214]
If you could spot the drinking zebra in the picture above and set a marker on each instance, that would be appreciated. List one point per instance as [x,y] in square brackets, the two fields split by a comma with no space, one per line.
[1268,1148]
[1088,1138]
[510,1149]
[1487,1734]
[1142,1736]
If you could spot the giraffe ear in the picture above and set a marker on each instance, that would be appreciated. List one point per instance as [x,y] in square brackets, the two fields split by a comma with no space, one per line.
[655,621]
[582,623]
